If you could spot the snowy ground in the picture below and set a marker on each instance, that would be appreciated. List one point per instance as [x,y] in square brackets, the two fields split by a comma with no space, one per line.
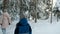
[41,27]
[45,27]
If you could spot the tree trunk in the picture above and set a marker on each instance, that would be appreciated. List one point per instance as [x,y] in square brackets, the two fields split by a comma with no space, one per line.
[36,9]
[57,17]
[51,10]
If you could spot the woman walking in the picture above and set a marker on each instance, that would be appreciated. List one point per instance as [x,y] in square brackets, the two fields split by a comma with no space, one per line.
[5,21]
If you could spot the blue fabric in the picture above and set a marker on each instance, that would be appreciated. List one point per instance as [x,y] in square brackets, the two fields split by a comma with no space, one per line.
[23,27]
[23,21]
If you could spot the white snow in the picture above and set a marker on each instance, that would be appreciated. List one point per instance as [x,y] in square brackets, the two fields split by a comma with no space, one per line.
[41,27]
[45,27]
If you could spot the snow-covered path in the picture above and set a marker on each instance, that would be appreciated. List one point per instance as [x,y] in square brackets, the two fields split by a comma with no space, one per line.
[45,27]
[41,27]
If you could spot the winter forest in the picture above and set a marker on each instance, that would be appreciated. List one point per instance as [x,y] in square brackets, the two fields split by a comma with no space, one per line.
[42,15]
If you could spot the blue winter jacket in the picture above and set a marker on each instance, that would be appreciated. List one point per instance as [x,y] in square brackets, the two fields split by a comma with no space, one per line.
[23,27]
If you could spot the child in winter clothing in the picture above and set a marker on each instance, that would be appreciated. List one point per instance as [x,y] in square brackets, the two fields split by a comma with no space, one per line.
[23,27]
